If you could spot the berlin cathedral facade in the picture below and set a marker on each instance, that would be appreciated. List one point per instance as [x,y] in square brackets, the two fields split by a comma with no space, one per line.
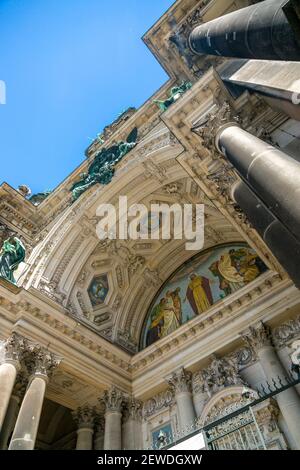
[140,343]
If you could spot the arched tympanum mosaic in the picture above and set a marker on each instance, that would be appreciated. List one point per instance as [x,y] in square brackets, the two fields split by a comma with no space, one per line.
[201,282]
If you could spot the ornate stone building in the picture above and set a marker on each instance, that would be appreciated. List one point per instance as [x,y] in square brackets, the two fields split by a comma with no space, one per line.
[130,344]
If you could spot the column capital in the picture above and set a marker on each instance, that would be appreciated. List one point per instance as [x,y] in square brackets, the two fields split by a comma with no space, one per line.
[40,361]
[12,349]
[85,416]
[180,381]
[113,399]
[133,409]
[207,129]
[258,336]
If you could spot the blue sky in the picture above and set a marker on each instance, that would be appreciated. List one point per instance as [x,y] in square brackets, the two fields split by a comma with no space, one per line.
[70,67]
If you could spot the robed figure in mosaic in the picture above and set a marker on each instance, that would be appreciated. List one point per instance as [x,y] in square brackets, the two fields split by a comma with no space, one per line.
[199,293]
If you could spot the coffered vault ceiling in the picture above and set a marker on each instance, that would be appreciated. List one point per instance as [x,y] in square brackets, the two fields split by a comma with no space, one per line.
[67,262]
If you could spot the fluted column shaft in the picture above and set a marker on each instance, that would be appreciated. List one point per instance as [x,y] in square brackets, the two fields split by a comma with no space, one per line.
[180,382]
[132,428]
[26,427]
[10,353]
[42,362]
[113,400]
[8,374]
[113,432]
[10,421]
[288,401]
[84,438]
[85,419]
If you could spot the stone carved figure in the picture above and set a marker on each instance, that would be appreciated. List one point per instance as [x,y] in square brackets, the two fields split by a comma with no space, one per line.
[174,94]
[102,168]
[222,372]
[11,255]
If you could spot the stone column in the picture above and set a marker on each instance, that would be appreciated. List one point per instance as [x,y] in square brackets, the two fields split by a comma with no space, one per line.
[113,400]
[277,237]
[180,382]
[259,338]
[10,353]
[85,420]
[40,364]
[273,175]
[260,31]
[132,427]
[13,410]
[99,433]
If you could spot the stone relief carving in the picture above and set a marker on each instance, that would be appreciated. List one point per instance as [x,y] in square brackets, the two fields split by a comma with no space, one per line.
[158,402]
[13,348]
[119,275]
[151,277]
[257,337]
[135,263]
[208,128]
[132,409]
[180,381]
[295,356]
[125,339]
[84,416]
[286,332]
[107,333]
[153,170]
[267,419]
[245,356]
[224,177]
[222,372]
[40,360]
[113,399]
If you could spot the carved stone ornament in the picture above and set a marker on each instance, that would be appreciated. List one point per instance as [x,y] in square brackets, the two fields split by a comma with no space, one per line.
[84,416]
[207,129]
[286,332]
[113,399]
[257,337]
[125,339]
[40,361]
[245,356]
[222,372]
[158,402]
[133,409]
[295,356]
[180,381]
[267,420]
[12,349]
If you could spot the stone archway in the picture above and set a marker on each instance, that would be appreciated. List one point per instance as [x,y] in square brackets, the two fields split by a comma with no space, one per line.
[251,429]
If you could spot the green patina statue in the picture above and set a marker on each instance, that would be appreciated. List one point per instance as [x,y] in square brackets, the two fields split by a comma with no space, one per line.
[37,199]
[174,94]
[102,168]
[11,255]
